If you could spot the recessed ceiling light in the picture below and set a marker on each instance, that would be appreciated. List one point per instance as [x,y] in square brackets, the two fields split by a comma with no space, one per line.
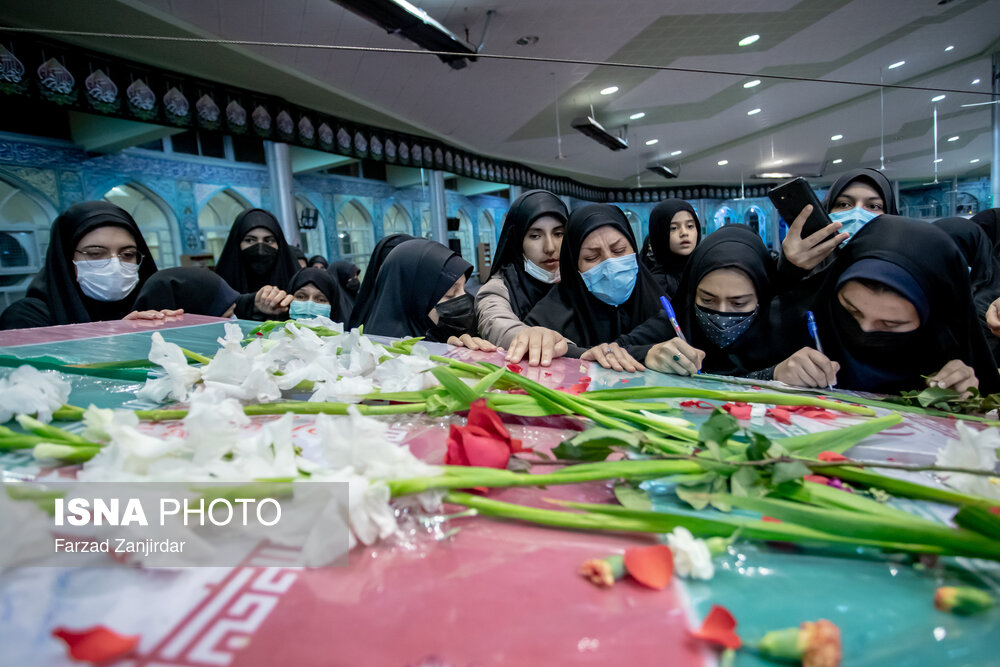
[938,98]
[777,162]
[838,161]
[749,39]
[652,141]
[774,174]
[676,153]
[975,82]
[974,161]
[955,138]
[722,163]
[609,90]
[751,84]
[940,159]
[836,137]
[949,48]
[898,63]
[637,116]
[753,112]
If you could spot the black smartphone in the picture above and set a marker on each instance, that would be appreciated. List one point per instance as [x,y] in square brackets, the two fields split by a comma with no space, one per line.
[791,197]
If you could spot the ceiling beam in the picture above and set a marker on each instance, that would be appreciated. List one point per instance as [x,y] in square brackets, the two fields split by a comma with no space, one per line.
[473,186]
[101,134]
[306,160]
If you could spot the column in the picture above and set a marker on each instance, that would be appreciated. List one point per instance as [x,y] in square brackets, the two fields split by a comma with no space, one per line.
[995,115]
[279,168]
[439,216]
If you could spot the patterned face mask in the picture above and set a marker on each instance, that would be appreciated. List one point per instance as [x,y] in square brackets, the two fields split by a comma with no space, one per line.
[724,328]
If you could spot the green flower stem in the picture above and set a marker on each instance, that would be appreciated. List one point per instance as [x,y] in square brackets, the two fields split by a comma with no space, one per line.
[829,497]
[295,407]
[838,439]
[64,453]
[856,525]
[465,477]
[902,488]
[775,398]
[619,519]
[51,433]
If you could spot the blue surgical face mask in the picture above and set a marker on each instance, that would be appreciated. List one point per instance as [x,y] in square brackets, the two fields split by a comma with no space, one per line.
[304,310]
[853,220]
[613,280]
[538,273]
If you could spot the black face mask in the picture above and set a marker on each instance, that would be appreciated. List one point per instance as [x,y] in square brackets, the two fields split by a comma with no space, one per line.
[455,317]
[260,258]
[353,285]
[882,349]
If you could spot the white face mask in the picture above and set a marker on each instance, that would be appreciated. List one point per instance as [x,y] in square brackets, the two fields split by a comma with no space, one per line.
[539,273]
[111,282]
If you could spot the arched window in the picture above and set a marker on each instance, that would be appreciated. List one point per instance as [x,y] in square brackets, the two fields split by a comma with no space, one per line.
[24,235]
[465,237]
[425,225]
[487,229]
[356,234]
[756,219]
[313,240]
[724,216]
[636,224]
[396,221]
[155,220]
[216,218]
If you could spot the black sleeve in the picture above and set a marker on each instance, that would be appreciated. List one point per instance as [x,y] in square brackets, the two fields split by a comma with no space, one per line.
[763,374]
[246,310]
[25,314]
[639,341]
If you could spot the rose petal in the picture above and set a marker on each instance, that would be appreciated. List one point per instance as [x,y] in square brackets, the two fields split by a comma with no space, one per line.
[473,446]
[780,415]
[704,405]
[651,566]
[96,645]
[738,410]
[818,479]
[832,456]
[770,519]
[456,455]
[483,417]
[719,628]
[514,368]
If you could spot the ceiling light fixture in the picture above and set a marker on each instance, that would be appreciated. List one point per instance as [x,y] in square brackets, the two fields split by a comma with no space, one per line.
[955,138]
[940,159]
[587,125]
[637,116]
[753,112]
[836,137]
[938,98]
[676,153]
[749,39]
[752,84]
[975,82]
[898,63]
[610,90]
[399,17]
[722,163]
[664,171]
[838,161]
[777,162]
[652,142]
[773,174]
[948,48]
[973,160]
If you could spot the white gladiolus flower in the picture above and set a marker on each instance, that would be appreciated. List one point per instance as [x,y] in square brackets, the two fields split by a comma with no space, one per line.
[179,377]
[28,391]
[692,558]
[973,449]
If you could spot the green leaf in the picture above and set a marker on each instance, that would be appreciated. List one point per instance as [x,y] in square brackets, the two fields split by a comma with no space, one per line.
[979,519]
[747,482]
[595,444]
[633,498]
[937,397]
[462,392]
[838,439]
[759,444]
[718,428]
[697,496]
[786,472]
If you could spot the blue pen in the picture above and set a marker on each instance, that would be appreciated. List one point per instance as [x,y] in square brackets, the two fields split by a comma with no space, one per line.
[672,316]
[811,324]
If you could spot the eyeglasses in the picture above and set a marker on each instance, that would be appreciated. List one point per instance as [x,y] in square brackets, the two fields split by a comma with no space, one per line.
[102,256]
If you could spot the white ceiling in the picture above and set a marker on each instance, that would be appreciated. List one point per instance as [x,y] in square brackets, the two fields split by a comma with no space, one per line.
[508,108]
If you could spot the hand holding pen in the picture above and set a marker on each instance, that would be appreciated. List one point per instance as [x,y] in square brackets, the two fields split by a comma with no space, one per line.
[675,355]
